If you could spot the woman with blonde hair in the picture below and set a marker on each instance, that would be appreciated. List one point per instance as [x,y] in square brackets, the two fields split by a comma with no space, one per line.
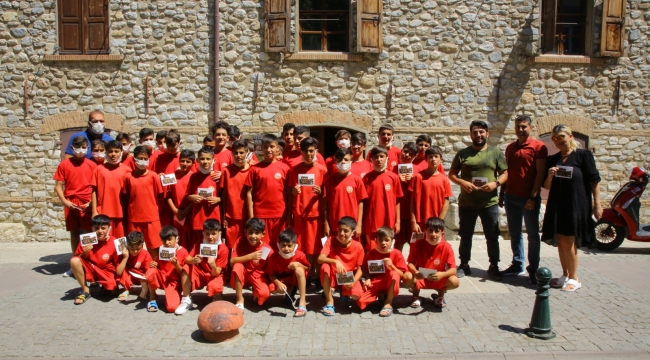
[572,180]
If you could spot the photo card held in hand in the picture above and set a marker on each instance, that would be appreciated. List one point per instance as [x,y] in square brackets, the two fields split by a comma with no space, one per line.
[119,243]
[88,239]
[376,266]
[405,169]
[209,250]
[166,253]
[205,192]
[479,181]
[168,179]
[426,272]
[265,252]
[416,236]
[306,180]
[345,279]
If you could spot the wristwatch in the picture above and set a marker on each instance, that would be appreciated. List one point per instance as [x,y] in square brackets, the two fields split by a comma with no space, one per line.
[498,183]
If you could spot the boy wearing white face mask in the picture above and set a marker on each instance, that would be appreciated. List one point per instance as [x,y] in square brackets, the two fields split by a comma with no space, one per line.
[127,160]
[147,139]
[143,191]
[75,174]
[98,148]
[107,182]
[342,141]
[287,269]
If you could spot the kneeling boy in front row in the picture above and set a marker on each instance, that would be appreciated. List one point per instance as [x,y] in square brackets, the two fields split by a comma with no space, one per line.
[133,266]
[207,270]
[288,268]
[435,256]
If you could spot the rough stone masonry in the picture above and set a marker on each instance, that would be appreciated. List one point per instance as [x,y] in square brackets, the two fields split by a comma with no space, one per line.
[447,62]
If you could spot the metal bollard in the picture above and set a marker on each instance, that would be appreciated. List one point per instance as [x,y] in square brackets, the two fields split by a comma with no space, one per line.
[540,323]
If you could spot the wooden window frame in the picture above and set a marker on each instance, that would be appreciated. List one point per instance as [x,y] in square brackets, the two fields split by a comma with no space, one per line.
[324,32]
[85,21]
[555,47]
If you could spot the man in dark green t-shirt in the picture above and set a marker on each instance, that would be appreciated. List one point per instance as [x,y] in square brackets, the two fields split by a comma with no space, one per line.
[479,170]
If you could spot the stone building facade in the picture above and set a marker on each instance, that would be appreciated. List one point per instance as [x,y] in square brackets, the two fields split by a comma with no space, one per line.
[443,63]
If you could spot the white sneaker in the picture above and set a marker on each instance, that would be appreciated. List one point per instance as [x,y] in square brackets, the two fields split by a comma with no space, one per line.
[68,273]
[186,304]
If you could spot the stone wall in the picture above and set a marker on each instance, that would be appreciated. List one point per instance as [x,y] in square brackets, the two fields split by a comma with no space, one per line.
[448,62]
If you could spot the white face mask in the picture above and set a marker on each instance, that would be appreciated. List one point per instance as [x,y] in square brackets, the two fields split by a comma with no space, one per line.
[249,156]
[119,160]
[149,144]
[206,171]
[383,168]
[97,128]
[80,151]
[343,143]
[99,155]
[289,255]
[141,164]
[343,168]
[126,147]
[162,147]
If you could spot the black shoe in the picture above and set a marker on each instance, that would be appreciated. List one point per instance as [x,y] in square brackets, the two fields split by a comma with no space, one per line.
[532,279]
[494,273]
[463,270]
[513,270]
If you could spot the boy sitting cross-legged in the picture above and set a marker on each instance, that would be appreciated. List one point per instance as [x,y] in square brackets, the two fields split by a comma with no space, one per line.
[95,263]
[383,268]
[432,253]
[288,267]
[249,263]
[341,256]
[134,262]
[208,270]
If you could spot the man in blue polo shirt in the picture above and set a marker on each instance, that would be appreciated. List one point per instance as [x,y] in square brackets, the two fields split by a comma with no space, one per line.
[95,131]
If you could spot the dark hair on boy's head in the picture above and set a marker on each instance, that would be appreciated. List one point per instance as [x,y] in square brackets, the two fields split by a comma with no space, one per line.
[387,127]
[140,150]
[434,150]
[144,132]
[211,225]
[123,136]
[134,238]
[306,143]
[101,220]
[168,231]
[208,139]
[288,126]
[205,150]
[268,139]
[220,125]
[250,146]
[341,152]
[113,144]
[79,141]
[234,131]
[237,144]
[349,222]
[97,142]
[411,147]
[281,143]
[359,139]
[424,137]
[172,138]
[187,154]
[480,123]
[379,149]
[255,224]
[161,134]
[287,236]
[384,232]
[342,133]
[435,223]
[302,129]
[524,118]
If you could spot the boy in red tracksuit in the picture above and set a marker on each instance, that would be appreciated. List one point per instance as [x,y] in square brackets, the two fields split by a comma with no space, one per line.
[249,263]
[172,275]
[340,256]
[383,268]
[382,206]
[266,184]
[343,138]
[385,137]
[107,182]
[144,191]
[344,193]
[75,175]
[203,193]
[432,253]
[208,270]
[287,270]
[360,166]
[127,160]
[167,163]
[304,201]
[177,193]
[234,192]
[408,152]
[133,261]
[95,263]
[432,191]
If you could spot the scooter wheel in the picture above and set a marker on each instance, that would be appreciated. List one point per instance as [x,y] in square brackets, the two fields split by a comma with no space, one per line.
[608,235]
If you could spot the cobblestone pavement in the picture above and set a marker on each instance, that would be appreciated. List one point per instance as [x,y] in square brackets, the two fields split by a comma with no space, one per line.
[610,313]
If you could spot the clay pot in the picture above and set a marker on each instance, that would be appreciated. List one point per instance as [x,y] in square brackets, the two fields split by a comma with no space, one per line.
[220,321]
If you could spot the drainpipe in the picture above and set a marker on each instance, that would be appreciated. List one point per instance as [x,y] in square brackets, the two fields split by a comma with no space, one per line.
[217,21]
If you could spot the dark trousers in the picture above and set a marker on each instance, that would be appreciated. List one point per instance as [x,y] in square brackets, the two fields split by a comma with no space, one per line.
[490,220]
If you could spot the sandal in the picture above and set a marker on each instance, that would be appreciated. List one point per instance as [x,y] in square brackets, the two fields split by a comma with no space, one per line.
[240,307]
[328,310]
[440,302]
[576,285]
[416,303]
[152,306]
[386,311]
[559,282]
[301,311]
[123,296]
[83,296]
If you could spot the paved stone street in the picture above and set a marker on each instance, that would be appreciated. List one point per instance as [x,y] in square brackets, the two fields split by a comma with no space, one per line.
[610,313]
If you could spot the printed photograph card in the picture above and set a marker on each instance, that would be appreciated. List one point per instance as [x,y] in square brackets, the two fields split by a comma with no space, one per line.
[565,172]
[166,253]
[345,279]
[376,266]
[209,250]
[119,243]
[88,239]
[479,181]
[405,169]
[306,180]
[426,272]
[168,179]
[205,192]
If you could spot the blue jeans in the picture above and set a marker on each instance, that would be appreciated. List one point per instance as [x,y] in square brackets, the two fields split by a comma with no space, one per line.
[515,210]
[490,220]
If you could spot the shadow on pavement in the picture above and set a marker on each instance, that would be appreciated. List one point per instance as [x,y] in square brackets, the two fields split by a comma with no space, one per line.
[512,329]
[197,336]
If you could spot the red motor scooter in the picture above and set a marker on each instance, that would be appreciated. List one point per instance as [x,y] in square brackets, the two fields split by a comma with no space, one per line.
[622,219]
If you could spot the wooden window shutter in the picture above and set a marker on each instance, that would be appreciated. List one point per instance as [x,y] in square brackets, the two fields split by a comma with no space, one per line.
[369,27]
[96,27]
[549,17]
[70,26]
[611,39]
[276,27]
